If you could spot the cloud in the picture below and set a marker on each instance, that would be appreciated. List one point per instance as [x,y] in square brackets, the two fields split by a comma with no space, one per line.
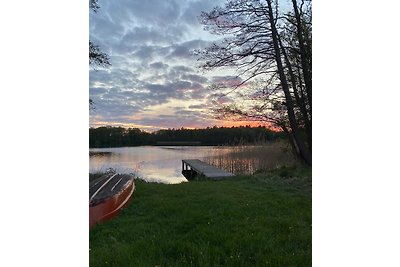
[227,80]
[176,121]
[200,106]
[193,10]
[159,65]
[180,51]
[186,50]
[180,69]
[97,91]
[158,12]
[146,35]
[194,78]
[151,45]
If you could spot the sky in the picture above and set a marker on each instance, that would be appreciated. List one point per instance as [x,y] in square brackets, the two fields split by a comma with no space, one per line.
[155,81]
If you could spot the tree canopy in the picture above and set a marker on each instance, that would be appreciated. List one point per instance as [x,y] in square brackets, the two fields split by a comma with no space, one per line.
[96,56]
[271,52]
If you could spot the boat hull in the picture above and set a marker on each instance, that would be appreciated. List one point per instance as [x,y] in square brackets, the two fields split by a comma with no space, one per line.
[109,207]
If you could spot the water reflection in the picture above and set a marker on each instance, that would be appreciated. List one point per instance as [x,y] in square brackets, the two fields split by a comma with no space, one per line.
[163,164]
[99,153]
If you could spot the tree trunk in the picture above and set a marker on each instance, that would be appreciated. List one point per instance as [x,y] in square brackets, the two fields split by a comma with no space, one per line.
[292,142]
[304,152]
[303,53]
[300,101]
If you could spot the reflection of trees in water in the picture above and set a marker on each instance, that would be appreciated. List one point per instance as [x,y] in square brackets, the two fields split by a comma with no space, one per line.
[248,159]
[99,153]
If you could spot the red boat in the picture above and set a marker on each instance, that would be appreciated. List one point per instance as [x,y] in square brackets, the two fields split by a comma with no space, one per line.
[108,195]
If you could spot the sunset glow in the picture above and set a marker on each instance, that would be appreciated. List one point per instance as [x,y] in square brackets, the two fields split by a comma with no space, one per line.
[154,81]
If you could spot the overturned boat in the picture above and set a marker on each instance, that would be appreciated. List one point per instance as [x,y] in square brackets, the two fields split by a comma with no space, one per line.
[108,195]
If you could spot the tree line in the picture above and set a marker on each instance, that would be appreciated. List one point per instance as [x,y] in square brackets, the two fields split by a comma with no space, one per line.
[211,136]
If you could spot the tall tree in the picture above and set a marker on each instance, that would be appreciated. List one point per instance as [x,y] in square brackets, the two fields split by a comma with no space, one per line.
[290,47]
[304,52]
[305,153]
[260,45]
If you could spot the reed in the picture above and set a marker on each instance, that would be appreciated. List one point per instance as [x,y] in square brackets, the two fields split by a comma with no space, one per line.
[249,159]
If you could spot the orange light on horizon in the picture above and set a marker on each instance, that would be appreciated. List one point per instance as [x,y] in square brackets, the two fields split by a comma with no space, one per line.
[226,124]
[251,124]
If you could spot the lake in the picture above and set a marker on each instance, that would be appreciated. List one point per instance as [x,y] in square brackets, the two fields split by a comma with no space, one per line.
[163,164]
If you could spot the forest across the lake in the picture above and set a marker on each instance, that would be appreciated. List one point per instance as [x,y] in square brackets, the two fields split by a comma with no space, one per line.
[211,136]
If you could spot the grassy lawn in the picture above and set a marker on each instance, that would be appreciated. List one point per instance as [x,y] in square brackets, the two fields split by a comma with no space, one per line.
[258,220]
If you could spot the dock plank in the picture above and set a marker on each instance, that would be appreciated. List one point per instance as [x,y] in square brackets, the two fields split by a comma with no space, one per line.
[206,169]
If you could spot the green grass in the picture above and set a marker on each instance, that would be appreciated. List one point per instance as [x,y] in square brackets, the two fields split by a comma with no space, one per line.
[258,220]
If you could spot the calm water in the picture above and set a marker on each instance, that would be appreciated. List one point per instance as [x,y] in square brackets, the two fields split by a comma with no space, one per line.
[164,164]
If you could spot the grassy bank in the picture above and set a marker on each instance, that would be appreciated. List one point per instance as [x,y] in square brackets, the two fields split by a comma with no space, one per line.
[258,220]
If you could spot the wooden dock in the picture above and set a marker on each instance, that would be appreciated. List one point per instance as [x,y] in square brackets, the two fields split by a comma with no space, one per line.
[194,167]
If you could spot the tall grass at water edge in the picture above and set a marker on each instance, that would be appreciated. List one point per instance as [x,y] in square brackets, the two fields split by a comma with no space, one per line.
[249,159]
